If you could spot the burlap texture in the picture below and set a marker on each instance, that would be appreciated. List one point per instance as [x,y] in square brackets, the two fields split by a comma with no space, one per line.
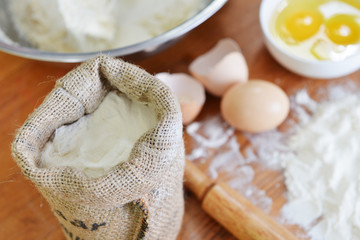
[138,199]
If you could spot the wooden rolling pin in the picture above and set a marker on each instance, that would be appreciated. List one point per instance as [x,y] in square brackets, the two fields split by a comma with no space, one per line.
[234,212]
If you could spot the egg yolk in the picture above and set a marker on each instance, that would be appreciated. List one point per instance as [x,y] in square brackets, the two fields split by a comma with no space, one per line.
[303,24]
[343,29]
[320,29]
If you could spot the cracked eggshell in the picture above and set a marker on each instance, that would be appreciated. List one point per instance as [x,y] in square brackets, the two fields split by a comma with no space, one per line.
[255,106]
[190,93]
[221,67]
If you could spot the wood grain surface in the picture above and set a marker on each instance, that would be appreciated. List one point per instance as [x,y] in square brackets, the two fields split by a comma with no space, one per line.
[25,215]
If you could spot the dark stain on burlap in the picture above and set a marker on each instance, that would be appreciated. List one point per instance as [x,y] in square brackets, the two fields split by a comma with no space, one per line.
[138,199]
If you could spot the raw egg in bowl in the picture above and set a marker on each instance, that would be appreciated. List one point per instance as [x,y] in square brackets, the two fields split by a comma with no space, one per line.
[313,38]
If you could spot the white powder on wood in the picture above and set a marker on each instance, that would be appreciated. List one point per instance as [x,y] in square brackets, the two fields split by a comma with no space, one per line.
[99,141]
[320,157]
[323,172]
[215,144]
[319,153]
[95,25]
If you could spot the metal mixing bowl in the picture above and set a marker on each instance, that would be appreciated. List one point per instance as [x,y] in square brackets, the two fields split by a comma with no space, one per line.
[139,50]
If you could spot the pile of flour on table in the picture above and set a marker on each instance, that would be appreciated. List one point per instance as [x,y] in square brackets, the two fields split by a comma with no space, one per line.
[95,25]
[319,155]
[99,141]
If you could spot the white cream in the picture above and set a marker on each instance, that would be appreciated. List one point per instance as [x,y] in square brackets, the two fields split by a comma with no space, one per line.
[95,25]
[99,141]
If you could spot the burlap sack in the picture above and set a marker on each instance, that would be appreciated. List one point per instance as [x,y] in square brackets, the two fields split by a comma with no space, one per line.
[138,199]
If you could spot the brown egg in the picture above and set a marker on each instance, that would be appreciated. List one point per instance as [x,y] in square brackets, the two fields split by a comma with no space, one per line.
[190,93]
[255,106]
[221,67]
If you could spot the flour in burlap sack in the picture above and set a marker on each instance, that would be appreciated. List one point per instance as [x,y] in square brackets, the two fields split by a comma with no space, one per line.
[141,198]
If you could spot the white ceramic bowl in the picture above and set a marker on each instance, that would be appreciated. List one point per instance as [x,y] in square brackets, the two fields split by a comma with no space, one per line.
[305,67]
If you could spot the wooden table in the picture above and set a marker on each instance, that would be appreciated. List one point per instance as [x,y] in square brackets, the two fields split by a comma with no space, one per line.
[24,214]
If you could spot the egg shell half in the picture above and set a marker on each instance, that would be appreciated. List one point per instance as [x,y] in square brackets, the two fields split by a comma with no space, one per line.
[190,93]
[221,67]
[255,106]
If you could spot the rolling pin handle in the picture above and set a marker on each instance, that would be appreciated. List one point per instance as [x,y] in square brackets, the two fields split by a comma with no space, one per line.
[234,212]
[196,181]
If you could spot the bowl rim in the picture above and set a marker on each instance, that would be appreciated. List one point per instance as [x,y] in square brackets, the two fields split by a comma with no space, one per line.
[266,32]
[146,46]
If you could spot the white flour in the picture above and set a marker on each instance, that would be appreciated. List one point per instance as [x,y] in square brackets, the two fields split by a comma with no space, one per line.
[98,141]
[319,154]
[95,25]
[323,172]
[216,144]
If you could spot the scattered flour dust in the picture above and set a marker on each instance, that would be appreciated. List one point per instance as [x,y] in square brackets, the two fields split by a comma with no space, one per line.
[319,155]
[215,141]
